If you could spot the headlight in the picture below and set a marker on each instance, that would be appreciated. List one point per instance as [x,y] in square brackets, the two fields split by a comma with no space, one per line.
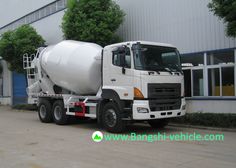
[142,110]
[184,107]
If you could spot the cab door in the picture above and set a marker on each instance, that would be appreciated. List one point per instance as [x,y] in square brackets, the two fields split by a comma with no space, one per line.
[119,72]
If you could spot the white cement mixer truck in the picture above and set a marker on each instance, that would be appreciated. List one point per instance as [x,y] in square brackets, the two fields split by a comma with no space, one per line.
[118,84]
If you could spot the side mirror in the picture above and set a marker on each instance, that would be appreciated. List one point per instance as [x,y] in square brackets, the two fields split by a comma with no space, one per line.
[122,53]
[123,63]
[121,49]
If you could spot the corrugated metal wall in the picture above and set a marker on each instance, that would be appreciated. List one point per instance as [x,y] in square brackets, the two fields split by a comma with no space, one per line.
[11,10]
[187,24]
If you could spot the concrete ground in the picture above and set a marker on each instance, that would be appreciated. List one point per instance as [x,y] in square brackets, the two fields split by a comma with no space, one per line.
[25,142]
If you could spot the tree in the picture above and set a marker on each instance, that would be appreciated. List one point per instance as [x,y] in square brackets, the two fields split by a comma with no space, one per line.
[92,21]
[226,10]
[14,44]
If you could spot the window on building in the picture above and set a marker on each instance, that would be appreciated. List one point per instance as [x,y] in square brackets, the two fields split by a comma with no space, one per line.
[192,60]
[221,81]
[37,15]
[48,10]
[32,17]
[198,87]
[53,8]
[226,57]
[43,12]
[187,83]
[219,72]
[60,5]
[27,19]
[227,81]
[214,82]
[64,2]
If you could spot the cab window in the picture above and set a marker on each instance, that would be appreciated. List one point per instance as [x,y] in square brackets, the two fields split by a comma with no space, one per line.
[117,58]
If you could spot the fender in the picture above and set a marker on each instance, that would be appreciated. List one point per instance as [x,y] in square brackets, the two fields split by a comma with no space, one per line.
[111,94]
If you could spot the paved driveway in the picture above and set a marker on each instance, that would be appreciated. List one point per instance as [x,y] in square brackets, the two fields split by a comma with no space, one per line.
[25,142]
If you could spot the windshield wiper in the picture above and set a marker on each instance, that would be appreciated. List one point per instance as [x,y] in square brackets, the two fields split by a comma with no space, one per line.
[158,69]
[154,69]
[168,70]
[175,68]
[162,68]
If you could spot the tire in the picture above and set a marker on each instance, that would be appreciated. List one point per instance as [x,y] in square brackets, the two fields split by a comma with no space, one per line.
[161,123]
[59,113]
[112,119]
[45,111]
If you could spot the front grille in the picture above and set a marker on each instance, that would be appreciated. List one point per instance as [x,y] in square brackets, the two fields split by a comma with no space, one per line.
[165,96]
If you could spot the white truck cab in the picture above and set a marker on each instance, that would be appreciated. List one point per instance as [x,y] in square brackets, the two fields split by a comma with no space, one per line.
[140,81]
[148,74]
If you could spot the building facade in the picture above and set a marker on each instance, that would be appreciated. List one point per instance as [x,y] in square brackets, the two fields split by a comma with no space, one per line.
[208,55]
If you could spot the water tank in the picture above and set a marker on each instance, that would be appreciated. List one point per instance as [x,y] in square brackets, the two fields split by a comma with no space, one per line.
[73,65]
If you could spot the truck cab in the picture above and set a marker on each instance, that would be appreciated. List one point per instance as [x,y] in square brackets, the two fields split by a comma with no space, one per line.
[144,77]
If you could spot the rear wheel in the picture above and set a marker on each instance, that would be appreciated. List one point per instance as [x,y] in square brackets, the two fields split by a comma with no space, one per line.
[45,111]
[112,119]
[59,113]
[161,123]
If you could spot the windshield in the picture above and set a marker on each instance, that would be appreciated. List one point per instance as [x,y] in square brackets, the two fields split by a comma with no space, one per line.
[156,58]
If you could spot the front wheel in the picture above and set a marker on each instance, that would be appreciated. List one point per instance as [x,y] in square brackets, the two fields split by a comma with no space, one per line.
[112,118]
[161,123]
[59,113]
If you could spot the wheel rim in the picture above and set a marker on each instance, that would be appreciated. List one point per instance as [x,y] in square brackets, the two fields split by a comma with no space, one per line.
[43,111]
[57,113]
[110,117]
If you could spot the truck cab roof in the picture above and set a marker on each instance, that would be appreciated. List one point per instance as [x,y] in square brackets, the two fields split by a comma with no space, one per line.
[142,42]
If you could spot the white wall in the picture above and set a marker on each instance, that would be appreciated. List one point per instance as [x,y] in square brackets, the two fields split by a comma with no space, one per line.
[5,101]
[7,85]
[7,80]
[50,28]
[11,10]
[211,106]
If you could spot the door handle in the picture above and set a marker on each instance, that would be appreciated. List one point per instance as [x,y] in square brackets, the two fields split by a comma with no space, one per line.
[113,80]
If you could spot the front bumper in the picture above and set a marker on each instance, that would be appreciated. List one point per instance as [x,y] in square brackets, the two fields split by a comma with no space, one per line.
[150,115]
